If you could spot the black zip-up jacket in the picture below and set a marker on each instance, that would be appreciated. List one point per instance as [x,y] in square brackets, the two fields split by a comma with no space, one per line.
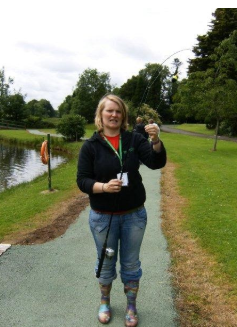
[99,163]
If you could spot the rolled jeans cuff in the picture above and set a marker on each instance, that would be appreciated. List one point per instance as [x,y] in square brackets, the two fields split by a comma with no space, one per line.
[106,281]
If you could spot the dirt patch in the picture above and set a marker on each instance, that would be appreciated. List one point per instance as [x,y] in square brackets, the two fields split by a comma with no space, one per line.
[203,294]
[60,219]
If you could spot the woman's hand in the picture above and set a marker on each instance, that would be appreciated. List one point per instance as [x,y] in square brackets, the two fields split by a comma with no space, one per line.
[113,186]
[153,130]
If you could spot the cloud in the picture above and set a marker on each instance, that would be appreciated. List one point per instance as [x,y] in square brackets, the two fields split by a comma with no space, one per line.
[45,53]
[59,66]
[137,50]
[44,48]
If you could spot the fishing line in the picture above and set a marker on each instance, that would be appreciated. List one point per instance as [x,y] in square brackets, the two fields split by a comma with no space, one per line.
[159,72]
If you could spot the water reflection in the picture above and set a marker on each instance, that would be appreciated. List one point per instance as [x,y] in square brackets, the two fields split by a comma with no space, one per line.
[18,165]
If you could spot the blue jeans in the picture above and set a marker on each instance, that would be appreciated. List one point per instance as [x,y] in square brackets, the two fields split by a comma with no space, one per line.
[126,235]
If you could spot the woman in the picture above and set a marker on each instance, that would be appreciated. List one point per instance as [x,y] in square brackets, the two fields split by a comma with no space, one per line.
[109,151]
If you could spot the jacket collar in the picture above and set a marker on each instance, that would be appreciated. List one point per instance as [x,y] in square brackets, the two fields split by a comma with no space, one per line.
[96,136]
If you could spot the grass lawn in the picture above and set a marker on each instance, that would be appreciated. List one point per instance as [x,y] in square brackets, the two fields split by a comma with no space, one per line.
[196,128]
[19,135]
[208,180]
[20,205]
[90,129]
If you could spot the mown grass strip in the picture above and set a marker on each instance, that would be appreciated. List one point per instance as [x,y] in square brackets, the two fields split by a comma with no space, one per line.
[208,180]
[22,137]
[196,128]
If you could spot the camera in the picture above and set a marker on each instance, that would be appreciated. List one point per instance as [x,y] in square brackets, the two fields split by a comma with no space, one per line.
[109,253]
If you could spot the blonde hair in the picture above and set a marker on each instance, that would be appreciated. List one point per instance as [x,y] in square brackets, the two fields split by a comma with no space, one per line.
[101,105]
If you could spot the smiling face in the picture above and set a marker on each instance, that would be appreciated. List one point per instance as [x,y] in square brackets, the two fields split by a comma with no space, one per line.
[112,118]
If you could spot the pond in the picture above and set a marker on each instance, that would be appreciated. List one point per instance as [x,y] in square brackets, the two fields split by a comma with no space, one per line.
[19,165]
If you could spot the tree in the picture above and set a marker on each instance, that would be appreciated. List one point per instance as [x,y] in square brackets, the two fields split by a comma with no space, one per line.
[66,106]
[44,109]
[211,95]
[223,24]
[91,86]
[155,76]
[40,108]
[132,113]
[12,106]
[170,87]
[184,102]
[31,107]
[4,85]
[4,91]
[133,89]
[72,127]
[15,108]
[149,86]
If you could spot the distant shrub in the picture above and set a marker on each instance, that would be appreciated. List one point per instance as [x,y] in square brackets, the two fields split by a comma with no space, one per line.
[72,127]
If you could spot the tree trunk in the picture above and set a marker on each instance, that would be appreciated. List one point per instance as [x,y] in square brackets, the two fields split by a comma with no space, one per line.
[217,131]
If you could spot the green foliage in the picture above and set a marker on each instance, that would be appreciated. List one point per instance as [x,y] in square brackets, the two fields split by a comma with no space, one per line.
[131,91]
[151,86]
[72,127]
[146,112]
[14,108]
[90,88]
[132,113]
[65,107]
[37,122]
[52,122]
[4,85]
[228,127]
[211,96]
[41,108]
[223,24]
[147,87]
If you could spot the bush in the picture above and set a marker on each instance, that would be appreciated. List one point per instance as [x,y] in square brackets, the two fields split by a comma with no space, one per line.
[228,128]
[146,112]
[37,122]
[72,127]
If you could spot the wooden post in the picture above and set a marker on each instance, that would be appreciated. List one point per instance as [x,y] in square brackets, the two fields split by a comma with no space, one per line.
[49,166]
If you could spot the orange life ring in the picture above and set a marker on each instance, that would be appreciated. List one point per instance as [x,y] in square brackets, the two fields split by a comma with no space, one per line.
[44,154]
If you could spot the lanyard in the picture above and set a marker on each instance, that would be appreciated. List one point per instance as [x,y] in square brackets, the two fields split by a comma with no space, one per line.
[118,154]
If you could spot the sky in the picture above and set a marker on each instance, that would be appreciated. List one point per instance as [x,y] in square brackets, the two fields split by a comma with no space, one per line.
[47,44]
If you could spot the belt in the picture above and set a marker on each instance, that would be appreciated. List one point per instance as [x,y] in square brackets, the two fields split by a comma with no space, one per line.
[119,212]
